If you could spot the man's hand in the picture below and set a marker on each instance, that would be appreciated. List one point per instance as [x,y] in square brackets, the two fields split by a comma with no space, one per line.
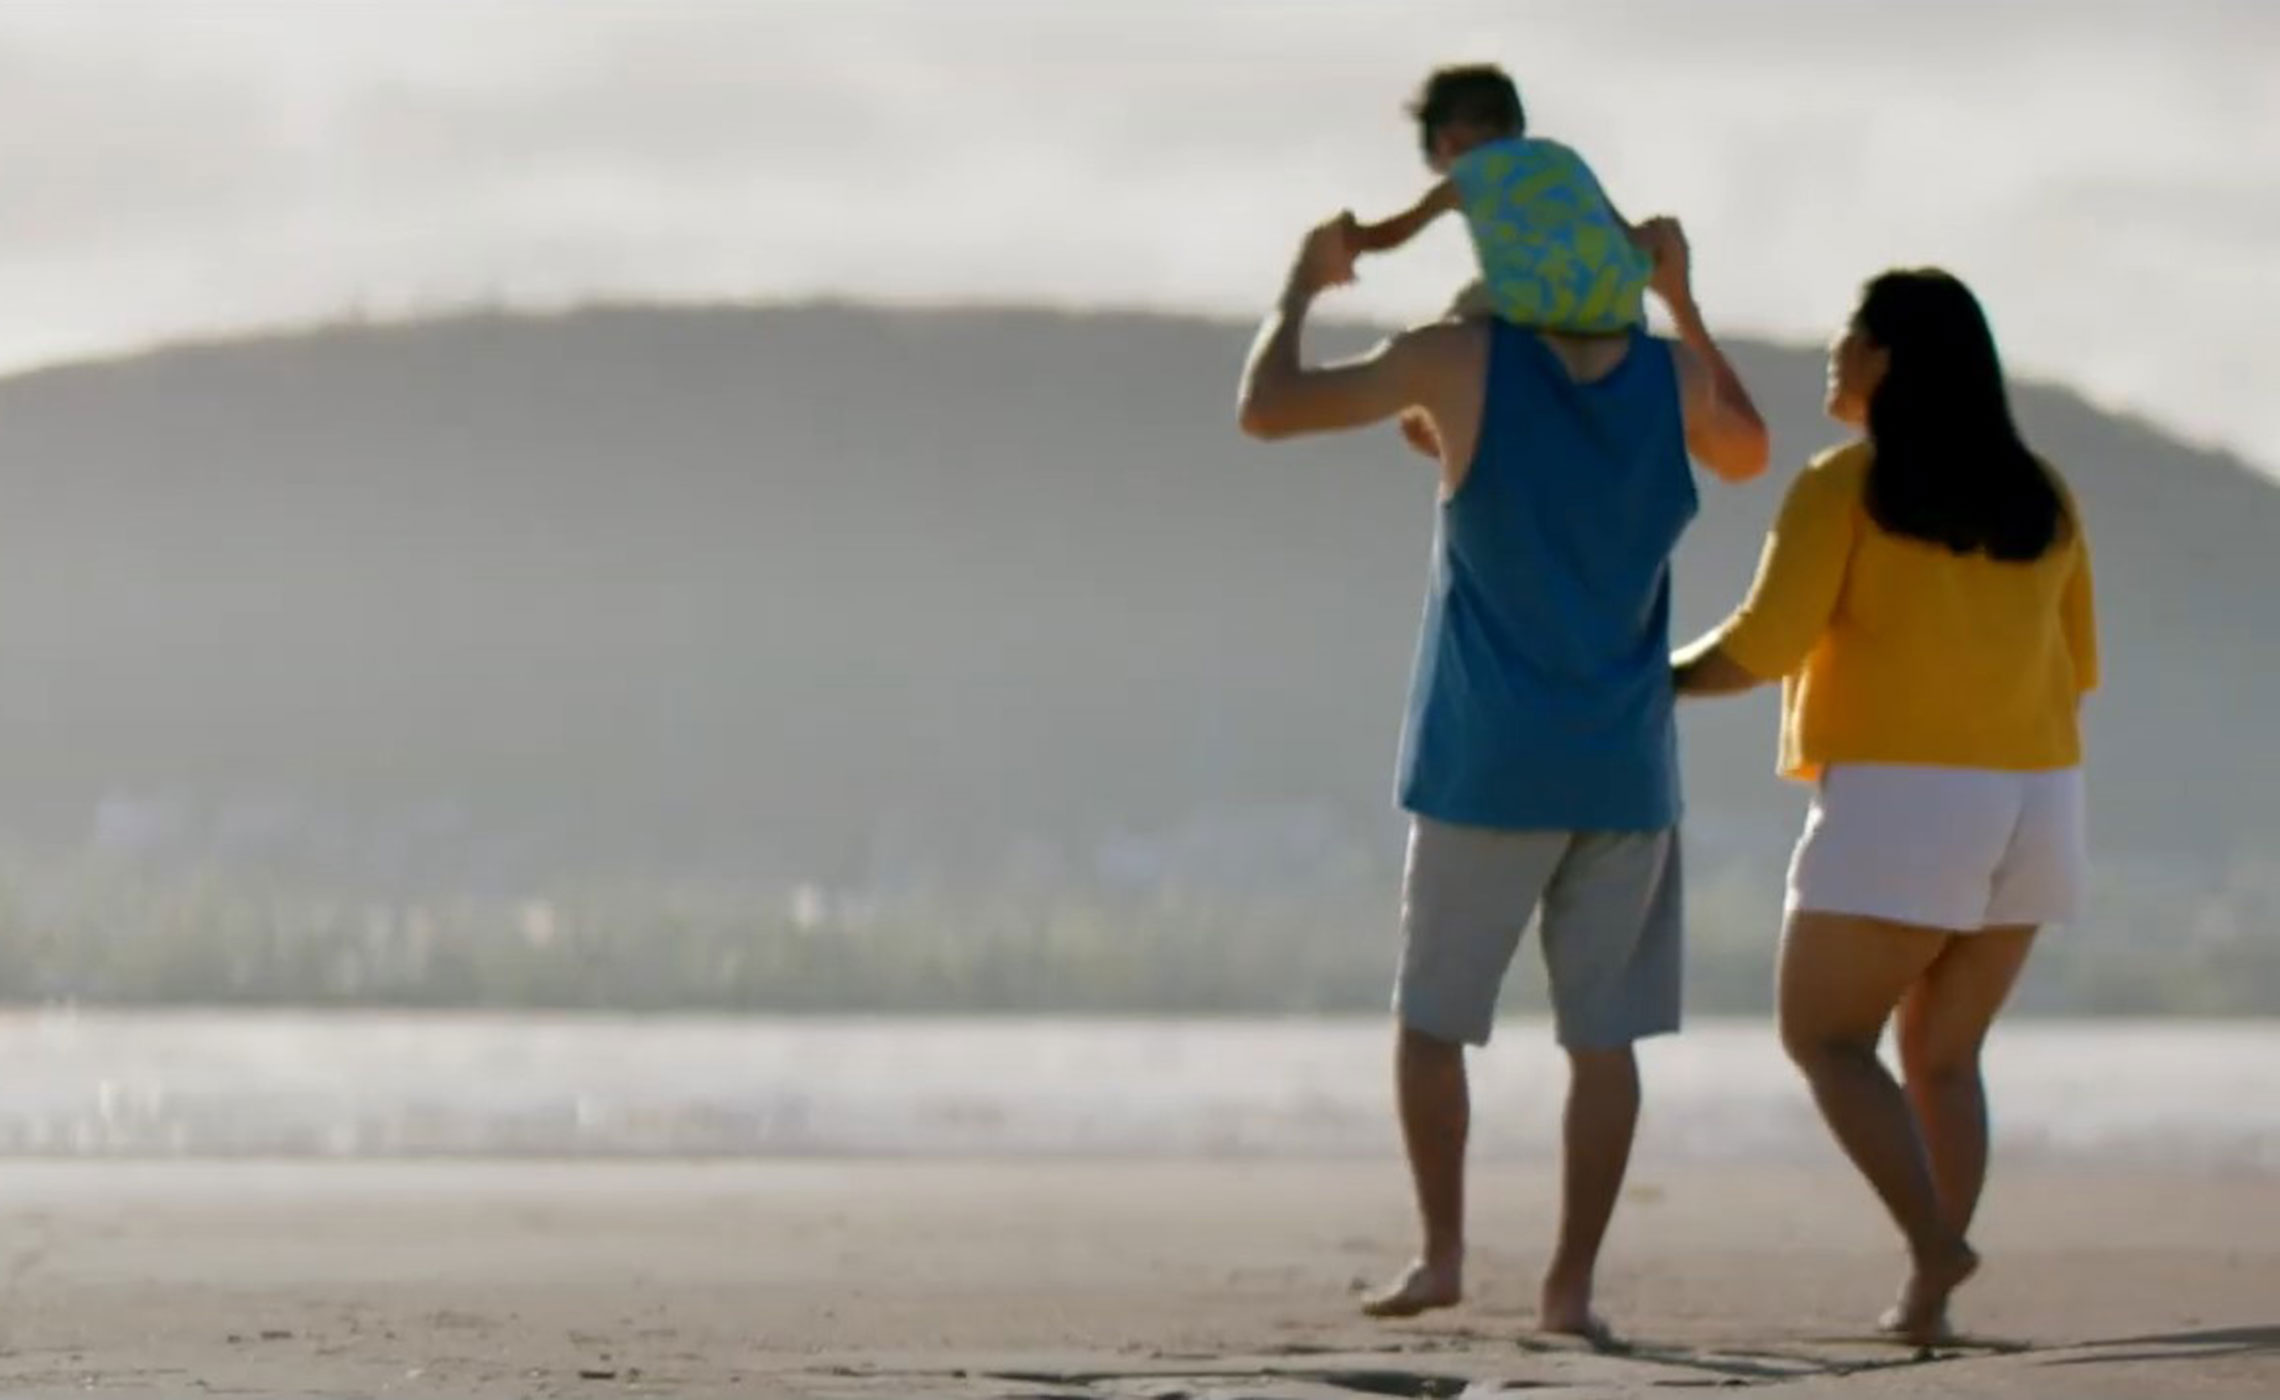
[1418,431]
[1665,241]
[1428,367]
[1724,431]
[1325,258]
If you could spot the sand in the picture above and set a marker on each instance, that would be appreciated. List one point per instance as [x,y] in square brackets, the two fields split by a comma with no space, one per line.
[1080,1279]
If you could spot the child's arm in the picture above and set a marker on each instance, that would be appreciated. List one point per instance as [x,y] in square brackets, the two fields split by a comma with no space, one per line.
[1393,232]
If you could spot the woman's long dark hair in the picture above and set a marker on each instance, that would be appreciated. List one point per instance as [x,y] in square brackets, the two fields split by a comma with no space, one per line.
[1950,467]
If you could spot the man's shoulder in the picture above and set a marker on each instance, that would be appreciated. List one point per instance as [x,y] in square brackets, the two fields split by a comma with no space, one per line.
[1457,343]
[1591,359]
[1670,350]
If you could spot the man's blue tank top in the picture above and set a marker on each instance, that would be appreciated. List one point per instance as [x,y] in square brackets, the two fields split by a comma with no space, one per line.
[1542,695]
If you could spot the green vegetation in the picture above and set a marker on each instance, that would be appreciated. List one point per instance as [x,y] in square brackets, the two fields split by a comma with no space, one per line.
[102,933]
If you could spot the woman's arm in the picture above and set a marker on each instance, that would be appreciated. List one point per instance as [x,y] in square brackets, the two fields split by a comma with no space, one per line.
[1800,575]
[2078,615]
[1703,668]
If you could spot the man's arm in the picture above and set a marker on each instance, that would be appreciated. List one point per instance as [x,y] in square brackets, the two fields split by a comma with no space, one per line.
[1282,398]
[1417,427]
[1724,431]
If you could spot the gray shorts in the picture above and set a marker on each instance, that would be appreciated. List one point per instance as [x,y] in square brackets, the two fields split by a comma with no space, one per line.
[1612,928]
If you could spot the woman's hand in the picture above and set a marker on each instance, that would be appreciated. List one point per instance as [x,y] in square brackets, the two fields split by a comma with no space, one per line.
[1705,669]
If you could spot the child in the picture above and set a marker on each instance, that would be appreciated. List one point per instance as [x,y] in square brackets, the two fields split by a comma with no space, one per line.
[1554,253]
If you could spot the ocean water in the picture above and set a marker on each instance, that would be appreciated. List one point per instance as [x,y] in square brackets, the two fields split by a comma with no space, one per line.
[2175,1094]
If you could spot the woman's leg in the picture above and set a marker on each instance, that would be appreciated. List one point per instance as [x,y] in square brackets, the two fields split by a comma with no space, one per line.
[1841,976]
[1943,1023]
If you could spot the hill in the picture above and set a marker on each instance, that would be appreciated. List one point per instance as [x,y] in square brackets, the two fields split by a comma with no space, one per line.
[874,606]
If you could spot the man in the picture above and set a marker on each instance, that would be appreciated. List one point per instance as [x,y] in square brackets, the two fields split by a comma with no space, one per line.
[1539,762]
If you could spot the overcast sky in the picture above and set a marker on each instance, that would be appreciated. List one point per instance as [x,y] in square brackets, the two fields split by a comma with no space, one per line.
[2107,175]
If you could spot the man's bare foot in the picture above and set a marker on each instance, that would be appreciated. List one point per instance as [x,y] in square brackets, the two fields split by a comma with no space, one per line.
[1921,1314]
[1565,1311]
[1421,1288]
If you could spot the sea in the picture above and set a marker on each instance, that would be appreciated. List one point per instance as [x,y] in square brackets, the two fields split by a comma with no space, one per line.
[141,1084]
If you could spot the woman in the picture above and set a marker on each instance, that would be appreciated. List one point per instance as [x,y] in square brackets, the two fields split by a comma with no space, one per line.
[1925,601]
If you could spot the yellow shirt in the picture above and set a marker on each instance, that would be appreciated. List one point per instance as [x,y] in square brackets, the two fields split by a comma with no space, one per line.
[1896,650]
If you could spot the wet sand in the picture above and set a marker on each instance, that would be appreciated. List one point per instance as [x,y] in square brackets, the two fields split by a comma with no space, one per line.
[1080,1279]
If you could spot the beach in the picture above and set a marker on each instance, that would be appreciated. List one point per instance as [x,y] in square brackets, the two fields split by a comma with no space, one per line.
[1035,1276]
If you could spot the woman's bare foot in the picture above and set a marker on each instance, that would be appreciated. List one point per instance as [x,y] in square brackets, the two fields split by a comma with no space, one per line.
[1422,1288]
[1893,1323]
[1921,1315]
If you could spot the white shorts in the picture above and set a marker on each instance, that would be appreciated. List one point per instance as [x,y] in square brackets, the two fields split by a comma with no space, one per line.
[1947,848]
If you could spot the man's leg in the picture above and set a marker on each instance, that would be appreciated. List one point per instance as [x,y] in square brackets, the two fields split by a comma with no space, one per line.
[1436,1116]
[1467,895]
[1602,1117]
[1614,945]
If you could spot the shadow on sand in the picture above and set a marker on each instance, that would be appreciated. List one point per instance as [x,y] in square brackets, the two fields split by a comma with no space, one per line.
[2180,1346]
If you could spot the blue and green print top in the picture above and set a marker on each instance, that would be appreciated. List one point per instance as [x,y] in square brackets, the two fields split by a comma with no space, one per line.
[1552,253]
